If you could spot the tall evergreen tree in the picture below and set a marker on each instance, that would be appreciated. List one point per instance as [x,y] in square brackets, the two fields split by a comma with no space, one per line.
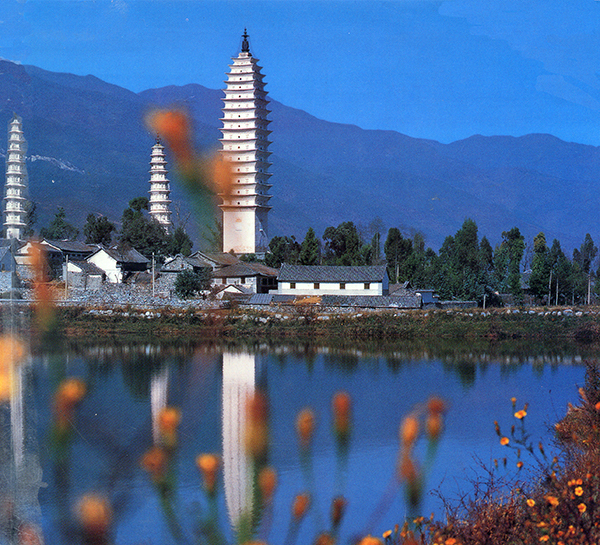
[343,245]
[310,250]
[540,267]
[59,228]
[98,230]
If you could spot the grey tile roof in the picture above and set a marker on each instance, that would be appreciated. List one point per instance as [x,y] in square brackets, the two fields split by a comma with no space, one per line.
[221,259]
[88,268]
[72,246]
[243,269]
[371,301]
[125,256]
[331,273]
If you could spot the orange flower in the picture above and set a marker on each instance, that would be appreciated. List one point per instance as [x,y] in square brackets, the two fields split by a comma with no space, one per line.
[338,507]
[174,127]
[530,502]
[370,540]
[324,539]
[267,482]
[94,514]
[12,352]
[579,491]
[544,538]
[300,506]
[434,425]
[504,441]
[209,464]
[155,462]
[552,500]
[305,425]
[342,406]
[521,414]
[582,508]
[409,430]
[168,420]
[436,405]
[257,430]
[220,175]
[597,406]
[519,464]
[407,470]
[386,534]
[69,393]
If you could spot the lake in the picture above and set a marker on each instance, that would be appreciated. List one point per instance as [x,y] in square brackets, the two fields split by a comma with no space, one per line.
[112,428]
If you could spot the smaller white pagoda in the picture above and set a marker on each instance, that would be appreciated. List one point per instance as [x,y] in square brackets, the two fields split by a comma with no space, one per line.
[158,205]
[16,190]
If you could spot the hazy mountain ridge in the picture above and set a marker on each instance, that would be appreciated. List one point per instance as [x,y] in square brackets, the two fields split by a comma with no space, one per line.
[323,173]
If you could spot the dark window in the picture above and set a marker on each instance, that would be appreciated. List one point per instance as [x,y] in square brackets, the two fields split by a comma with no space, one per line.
[367,285]
[292,285]
[342,285]
[316,285]
[243,280]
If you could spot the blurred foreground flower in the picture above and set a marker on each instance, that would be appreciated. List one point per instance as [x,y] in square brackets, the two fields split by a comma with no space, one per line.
[69,393]
[95,516]
[12,353]
[42,290]
[168,420]
[257,425]
[209,464]
[205,176]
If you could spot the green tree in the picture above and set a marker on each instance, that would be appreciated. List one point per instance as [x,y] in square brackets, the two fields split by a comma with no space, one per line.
[30,218]
[310,249]
[178,242]
[397,251]
[342,245]
[189,283]
[140,231]
[282,250]
[98,230]
[507,263]
[59,228]
[540,267]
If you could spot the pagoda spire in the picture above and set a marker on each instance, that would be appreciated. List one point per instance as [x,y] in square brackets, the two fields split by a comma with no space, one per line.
[158,204]
[245,143]
[245,43]
[16,189]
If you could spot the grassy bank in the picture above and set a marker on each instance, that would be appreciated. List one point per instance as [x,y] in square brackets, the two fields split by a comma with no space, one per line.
[580,325]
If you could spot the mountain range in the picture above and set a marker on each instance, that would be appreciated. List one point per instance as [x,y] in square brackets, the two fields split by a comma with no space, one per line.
[89,151]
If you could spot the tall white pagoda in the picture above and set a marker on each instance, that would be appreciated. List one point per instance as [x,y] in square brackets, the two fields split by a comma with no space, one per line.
[158,204]
[16,188]
[245,143]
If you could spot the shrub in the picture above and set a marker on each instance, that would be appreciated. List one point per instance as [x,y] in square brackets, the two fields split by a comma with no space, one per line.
[190,283]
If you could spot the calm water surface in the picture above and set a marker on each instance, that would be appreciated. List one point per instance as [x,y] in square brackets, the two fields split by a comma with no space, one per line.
[127,385]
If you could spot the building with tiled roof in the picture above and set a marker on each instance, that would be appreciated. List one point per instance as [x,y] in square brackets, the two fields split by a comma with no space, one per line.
[258,277]
[118,264]
[333,280]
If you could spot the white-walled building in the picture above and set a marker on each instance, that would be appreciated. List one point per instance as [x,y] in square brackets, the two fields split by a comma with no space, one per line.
[158,203]
[16,192]
[332,280]
[245,143]
[116,264]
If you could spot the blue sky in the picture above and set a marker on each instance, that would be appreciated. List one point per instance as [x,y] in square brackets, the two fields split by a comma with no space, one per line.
[432,69]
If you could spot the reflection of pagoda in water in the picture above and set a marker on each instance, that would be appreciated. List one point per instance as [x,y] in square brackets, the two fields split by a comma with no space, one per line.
[159,385]
[20,470]
[239,381]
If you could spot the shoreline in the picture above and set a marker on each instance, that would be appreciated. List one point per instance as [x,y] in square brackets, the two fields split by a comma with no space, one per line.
[579,325]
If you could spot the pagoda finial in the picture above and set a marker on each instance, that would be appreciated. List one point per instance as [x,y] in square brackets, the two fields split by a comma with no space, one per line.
[245,44]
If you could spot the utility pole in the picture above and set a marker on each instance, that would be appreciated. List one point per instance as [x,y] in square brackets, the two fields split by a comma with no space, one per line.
[153,274]
[550,289]
[67,277]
